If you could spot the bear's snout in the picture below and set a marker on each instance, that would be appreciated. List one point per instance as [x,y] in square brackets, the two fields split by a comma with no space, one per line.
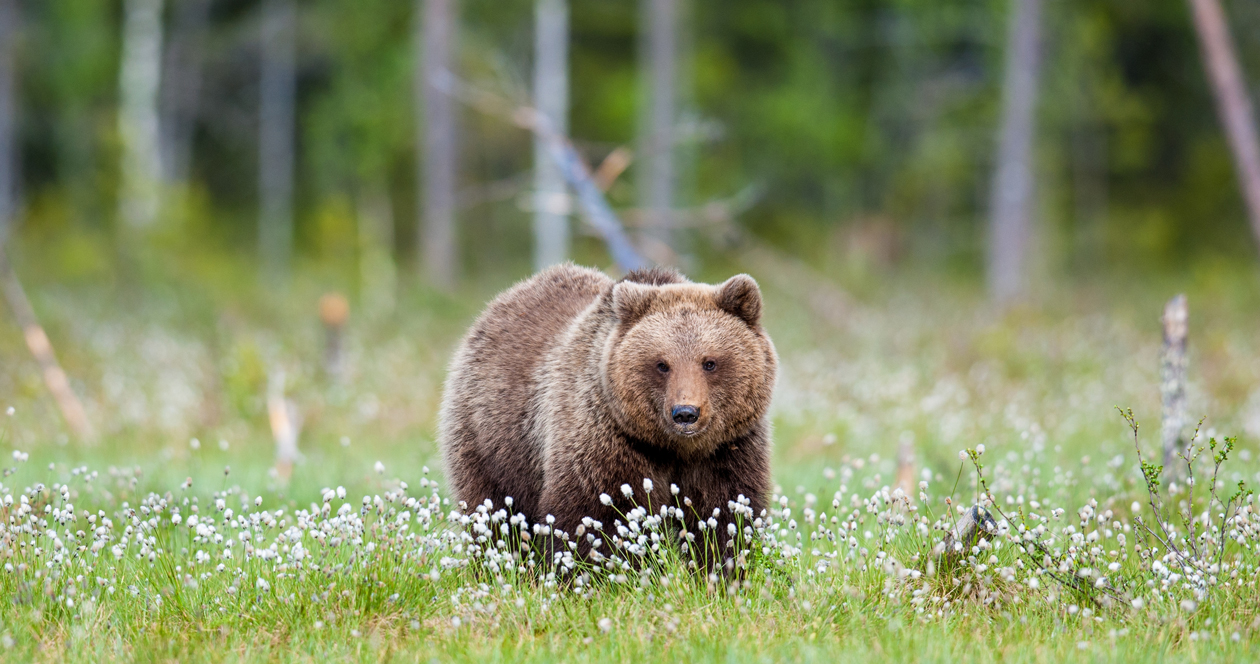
[685,414]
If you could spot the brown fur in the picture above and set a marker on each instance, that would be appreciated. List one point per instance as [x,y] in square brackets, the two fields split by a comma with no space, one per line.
[557,396]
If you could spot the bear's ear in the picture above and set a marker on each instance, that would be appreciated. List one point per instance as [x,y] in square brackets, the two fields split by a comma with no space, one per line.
[740,297]
[631,301]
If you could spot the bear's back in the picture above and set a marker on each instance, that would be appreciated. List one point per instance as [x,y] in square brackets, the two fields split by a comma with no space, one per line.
[486,414]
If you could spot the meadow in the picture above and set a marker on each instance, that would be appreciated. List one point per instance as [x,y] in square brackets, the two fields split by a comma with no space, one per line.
[174,537]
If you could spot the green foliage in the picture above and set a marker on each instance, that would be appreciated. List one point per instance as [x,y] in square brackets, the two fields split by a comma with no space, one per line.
[839,115]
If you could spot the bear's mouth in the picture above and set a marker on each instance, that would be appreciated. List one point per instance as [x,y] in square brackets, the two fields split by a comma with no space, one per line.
[689,430]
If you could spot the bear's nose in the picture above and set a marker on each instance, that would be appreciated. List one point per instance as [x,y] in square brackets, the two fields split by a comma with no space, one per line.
[685,414]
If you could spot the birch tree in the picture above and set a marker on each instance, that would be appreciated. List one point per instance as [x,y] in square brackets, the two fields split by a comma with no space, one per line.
[1011,202]
[1233,105]
[277,89]
[139,199]
[658,59]
[551,98]
[181,87]
[436,37]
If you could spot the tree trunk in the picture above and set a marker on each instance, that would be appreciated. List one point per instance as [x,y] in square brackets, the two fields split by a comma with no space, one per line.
[139,201]
[1232,103]
[658,58]
[181,87]
[437,32]
[1011,203]
[551,99]
[8,117]
[276,136]
[1172,381]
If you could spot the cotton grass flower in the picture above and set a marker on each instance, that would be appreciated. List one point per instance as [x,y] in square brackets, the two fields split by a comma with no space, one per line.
[864,533]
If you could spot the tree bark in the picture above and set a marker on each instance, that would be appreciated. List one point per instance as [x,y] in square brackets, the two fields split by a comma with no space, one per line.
[551,99]
[277,89]
[1011,203]
[1172,380]
[139,201]
[8,116]
[659,59]
[1232,103]
[974,524]
[437,38]
[181,87]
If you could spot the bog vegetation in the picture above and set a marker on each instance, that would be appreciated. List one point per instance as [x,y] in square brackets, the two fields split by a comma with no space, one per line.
[176,537]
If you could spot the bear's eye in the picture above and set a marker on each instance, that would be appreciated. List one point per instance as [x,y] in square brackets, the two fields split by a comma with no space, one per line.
[662,367]
[709,365]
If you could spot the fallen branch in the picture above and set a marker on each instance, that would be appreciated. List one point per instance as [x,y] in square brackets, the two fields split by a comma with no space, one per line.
[974,524]
[718,214]
[40,346]
[574,169]
[613,166]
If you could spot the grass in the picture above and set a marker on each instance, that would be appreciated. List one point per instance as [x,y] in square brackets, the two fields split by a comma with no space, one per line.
[1033,388]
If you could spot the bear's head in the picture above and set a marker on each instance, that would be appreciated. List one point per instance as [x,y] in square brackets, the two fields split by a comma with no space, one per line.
[688,366]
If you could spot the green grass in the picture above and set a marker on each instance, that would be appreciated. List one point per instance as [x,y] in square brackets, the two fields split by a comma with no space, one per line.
[918,364]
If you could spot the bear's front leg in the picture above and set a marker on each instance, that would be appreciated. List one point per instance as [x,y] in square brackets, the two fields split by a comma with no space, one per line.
[728,494]
[587,503]
[569,512]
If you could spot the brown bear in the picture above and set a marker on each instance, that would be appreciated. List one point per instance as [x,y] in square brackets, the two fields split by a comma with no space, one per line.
[571,384]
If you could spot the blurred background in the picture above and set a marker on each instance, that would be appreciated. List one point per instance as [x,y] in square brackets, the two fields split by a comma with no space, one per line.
[239,221]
